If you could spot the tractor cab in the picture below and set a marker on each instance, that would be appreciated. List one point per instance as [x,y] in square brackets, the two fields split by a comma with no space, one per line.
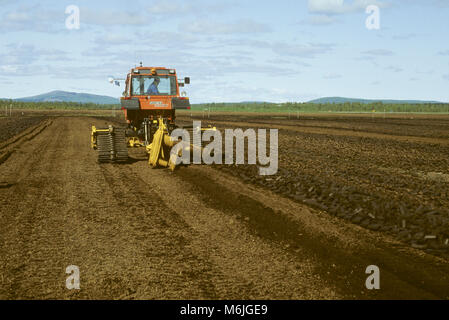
[152,93]
[151,81]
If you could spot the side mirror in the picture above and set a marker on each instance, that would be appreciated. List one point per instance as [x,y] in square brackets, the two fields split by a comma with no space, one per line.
[187,80]
[113,81]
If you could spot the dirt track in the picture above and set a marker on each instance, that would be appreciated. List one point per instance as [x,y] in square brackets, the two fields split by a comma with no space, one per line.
[137,233]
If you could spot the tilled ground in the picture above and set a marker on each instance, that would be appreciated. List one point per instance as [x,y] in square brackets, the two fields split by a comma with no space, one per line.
[11,126]
[389,175]
[200,233]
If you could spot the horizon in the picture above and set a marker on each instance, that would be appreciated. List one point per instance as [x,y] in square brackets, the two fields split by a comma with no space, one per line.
[321,48]
[249,101]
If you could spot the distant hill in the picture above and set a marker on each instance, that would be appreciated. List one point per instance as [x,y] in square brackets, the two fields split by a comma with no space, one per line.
[343,100]
[65,96]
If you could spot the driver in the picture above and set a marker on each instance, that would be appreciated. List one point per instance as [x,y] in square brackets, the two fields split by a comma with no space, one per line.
[153,87]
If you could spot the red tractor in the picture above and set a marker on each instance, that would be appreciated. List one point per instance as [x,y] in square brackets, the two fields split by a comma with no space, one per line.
[149,102]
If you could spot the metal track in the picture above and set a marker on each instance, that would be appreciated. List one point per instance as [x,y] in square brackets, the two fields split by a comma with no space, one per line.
[112,146]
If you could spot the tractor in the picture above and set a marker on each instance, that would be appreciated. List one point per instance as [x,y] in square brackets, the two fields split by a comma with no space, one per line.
[150,100]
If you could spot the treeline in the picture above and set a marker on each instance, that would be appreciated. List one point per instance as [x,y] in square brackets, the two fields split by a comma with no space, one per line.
[249,107]
[55,105]
[323,107]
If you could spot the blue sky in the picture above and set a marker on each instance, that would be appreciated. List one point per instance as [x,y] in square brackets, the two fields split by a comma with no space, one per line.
[232,50]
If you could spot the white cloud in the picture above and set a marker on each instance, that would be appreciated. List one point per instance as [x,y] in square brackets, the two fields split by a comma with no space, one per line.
[300,50]
[323,12]
[169,8]
[19,55]
[38,18]
[319,20]
[404,36]
[237,27]
[29,18]
[394,69]
[378,52]
[113,18]
[326,6]
[111,39]
[177,8]
[431,3]
[332,76]
[330,7]
[170,39]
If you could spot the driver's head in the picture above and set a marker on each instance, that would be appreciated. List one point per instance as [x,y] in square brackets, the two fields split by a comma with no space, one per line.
[156,80]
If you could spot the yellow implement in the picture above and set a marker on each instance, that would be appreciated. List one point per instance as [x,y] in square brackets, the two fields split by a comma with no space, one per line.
[159,149]
[112,143]
[94,134]
[134,142]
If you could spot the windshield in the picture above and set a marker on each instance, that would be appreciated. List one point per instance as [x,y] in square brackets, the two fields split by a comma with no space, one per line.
[153,85]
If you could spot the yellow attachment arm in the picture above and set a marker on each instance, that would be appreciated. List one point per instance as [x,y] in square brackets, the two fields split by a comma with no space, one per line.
[159,148]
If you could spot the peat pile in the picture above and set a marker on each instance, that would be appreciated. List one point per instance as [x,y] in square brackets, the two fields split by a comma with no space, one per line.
[421,226]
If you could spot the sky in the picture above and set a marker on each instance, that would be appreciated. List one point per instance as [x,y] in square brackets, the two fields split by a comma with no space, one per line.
[244,50]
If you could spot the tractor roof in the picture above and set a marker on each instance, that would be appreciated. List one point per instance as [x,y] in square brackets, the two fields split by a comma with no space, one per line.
[153,70]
